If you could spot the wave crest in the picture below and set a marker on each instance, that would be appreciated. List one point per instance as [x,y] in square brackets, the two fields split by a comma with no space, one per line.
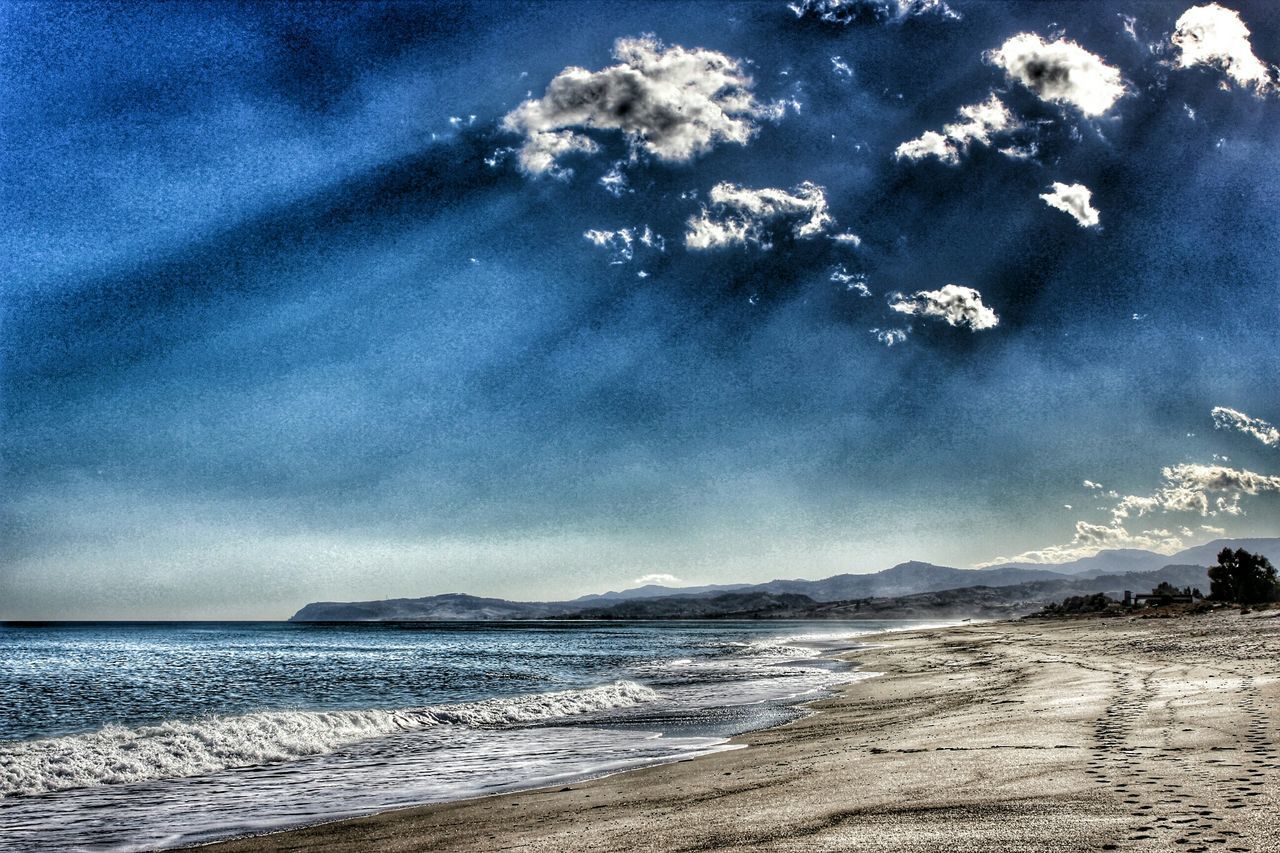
[176,748]
[775,648]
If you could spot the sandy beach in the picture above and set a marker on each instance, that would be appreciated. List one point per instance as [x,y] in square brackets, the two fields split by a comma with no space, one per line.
[1127,733]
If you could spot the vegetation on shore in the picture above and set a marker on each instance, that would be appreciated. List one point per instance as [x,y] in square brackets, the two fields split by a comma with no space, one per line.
[1239,579]
[1244,578]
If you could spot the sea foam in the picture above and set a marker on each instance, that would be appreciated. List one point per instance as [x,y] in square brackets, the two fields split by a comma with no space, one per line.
[176,748]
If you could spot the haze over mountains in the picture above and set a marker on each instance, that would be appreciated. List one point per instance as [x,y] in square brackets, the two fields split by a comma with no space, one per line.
[907,589]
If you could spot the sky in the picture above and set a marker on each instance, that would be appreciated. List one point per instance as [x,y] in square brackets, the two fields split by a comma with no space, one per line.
[333,301]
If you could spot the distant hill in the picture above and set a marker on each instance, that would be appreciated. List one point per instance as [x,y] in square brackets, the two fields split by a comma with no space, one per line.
[892,588]
[654,590]
[905,579]
[449,607]
[902,579]
[746,605]
[1207,554]
[981,601]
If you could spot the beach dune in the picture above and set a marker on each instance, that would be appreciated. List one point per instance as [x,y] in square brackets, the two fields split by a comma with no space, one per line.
[1122,733]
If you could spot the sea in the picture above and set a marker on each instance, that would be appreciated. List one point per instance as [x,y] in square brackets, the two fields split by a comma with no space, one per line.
[146,736]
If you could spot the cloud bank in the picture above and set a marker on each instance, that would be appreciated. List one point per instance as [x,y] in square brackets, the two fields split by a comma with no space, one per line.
[741,216]
[980,121]
[1224,418]
[669,102]
[1073,199]
[1214,36]
[1060,71]
[954,303]
[1206,490]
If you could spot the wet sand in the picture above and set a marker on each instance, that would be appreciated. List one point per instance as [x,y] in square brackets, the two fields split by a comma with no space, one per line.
[1131,734]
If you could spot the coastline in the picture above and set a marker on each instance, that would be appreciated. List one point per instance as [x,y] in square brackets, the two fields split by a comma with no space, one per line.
[1071,735]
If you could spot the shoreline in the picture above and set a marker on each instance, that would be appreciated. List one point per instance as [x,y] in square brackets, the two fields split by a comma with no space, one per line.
[798,709]
[732,743]
[1070,735]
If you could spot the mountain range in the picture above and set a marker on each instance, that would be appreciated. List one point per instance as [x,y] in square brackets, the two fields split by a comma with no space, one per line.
[911,588]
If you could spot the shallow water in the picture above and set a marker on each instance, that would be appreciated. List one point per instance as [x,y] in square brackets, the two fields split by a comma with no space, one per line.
[139,736]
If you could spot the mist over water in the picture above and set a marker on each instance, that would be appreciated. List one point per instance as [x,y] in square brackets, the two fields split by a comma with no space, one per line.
[139,736]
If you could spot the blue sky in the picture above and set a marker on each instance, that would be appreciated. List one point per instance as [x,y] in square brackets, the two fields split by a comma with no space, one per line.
[323,301]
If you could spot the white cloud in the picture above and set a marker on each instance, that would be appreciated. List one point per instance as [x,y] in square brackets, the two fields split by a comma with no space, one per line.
[857,282]
[738,215]
[979,122]
[669,102]
[614,181]
[621,243]
[954,303]
[1207,490]
[707,233]
[1089,539]
[1026,151]
[1189,485]
[1142,505]
[890,337]
[542,151]
[840,68]
[849,11]
[1075,199]
[1224,418]
[1215,36]
[1130,26]
[1060,71]
[498,157]
[929,144]
[1089,484]
[847,238]
[659,578]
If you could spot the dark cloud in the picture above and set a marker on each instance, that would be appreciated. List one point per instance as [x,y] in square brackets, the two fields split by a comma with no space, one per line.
[669,102]
[954,304]
[1060,71]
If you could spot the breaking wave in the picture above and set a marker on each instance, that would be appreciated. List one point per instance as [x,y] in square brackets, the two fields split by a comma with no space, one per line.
[775,648]
[117,754]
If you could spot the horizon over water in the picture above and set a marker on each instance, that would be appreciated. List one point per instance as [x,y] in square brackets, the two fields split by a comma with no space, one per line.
[136,736]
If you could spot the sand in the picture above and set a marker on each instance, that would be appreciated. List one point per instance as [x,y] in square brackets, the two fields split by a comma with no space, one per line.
[1132,734]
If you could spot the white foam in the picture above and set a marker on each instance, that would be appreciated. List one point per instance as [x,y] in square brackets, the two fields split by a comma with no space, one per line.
[116,754]
[778,648]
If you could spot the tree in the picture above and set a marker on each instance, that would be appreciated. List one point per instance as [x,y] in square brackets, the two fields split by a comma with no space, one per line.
[1243,577]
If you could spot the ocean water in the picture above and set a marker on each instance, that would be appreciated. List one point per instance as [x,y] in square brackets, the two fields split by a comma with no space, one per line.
[141,736]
